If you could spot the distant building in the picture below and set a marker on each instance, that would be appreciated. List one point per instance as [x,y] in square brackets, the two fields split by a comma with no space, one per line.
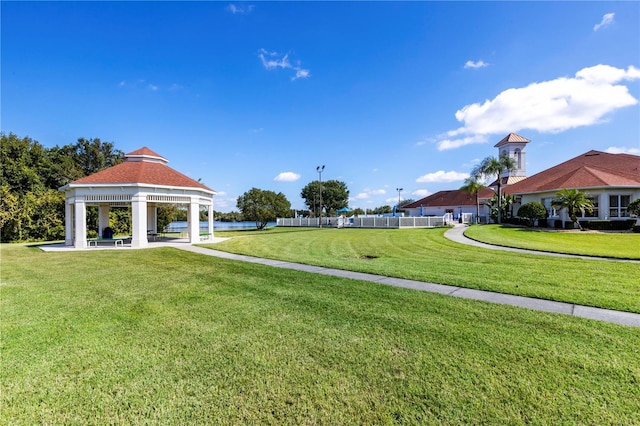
[612,181]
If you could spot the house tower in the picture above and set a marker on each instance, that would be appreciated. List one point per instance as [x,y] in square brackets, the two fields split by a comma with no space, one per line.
[514,146]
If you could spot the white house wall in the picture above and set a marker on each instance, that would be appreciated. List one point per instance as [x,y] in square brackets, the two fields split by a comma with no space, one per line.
[603,200]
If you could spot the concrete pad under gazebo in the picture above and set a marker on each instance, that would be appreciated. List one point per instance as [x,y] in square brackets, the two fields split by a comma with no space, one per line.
[143,181]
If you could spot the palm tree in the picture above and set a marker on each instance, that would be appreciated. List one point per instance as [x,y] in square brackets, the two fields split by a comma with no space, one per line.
[492,166]
[472,186]
[574,201]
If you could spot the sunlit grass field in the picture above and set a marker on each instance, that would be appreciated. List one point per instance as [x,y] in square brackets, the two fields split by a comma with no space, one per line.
[425,255]
[608,244]
[162,336]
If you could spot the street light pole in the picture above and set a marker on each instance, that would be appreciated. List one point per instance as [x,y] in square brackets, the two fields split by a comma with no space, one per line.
[399,190]
[320,170]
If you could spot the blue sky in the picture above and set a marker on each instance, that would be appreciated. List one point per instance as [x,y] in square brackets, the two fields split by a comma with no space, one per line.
[386,95]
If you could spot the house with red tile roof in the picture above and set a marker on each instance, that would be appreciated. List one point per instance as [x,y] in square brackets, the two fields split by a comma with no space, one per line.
[611,181]
[458,203]
[455,202]
[143,181]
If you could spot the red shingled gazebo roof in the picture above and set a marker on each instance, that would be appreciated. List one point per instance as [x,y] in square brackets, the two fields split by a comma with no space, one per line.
[142,166]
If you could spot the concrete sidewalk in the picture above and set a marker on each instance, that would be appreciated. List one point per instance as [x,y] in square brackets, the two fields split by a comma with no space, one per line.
[624,318]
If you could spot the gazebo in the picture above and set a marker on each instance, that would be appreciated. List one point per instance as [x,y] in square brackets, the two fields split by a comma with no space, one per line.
[142,181]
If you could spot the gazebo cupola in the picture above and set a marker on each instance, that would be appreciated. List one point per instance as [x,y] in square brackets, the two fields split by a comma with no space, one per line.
[143,181]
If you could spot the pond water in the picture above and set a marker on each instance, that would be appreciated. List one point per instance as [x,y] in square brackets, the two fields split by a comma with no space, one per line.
[181,226]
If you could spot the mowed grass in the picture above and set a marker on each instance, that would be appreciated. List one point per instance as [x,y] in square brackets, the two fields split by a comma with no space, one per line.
[619,245]
[161,336]
[426,255]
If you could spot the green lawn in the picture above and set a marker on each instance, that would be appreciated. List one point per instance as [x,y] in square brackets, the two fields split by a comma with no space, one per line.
[425,255]
[620,245]
[161,336]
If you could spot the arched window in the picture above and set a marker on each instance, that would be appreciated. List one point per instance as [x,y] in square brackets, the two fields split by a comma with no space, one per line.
[518,157]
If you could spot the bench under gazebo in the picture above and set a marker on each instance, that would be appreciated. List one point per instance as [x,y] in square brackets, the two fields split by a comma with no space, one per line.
[142,181]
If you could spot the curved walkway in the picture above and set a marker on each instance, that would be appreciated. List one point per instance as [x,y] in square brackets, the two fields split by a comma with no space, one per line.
[618,317]
[457,234]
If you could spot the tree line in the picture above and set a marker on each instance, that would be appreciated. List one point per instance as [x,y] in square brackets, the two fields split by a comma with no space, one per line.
[31,205]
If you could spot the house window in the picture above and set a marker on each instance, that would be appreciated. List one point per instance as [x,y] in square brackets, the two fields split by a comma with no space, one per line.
[618,205]
[518,158]
[596,211]
[547,203]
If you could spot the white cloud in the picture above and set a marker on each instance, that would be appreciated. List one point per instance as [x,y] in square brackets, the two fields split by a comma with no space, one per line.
[287,177]
[271,60]
[301,73]
[421,193]
[547,107]
[607,19]
[368,193]
[476,64]
[393,200]
[240,9]
[622,150]
[442,176]
[447,143]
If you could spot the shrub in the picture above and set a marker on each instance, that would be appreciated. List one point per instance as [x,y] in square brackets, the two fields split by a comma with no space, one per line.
[532,211]
[636,229]
[608,225]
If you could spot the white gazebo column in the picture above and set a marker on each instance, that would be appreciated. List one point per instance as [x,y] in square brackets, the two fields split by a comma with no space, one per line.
[139,221]
[68,222]
[80,219]
[103,218]
[194,221]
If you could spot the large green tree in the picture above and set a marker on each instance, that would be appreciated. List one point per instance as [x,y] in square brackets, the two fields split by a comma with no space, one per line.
[21,163]
[31,206]
[335,196]
[263,206]
[490,167]
[575,201]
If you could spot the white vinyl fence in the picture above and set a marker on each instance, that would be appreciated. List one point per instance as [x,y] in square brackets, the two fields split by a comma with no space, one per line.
[369,222]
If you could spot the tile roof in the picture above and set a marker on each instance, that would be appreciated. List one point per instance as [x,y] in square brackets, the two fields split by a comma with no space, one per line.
[589,170]
[512,137]
[455,197]
[147,171]
[145,152]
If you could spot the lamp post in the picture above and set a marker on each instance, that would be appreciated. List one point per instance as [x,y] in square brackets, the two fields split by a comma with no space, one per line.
[399,190]
[320,169]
